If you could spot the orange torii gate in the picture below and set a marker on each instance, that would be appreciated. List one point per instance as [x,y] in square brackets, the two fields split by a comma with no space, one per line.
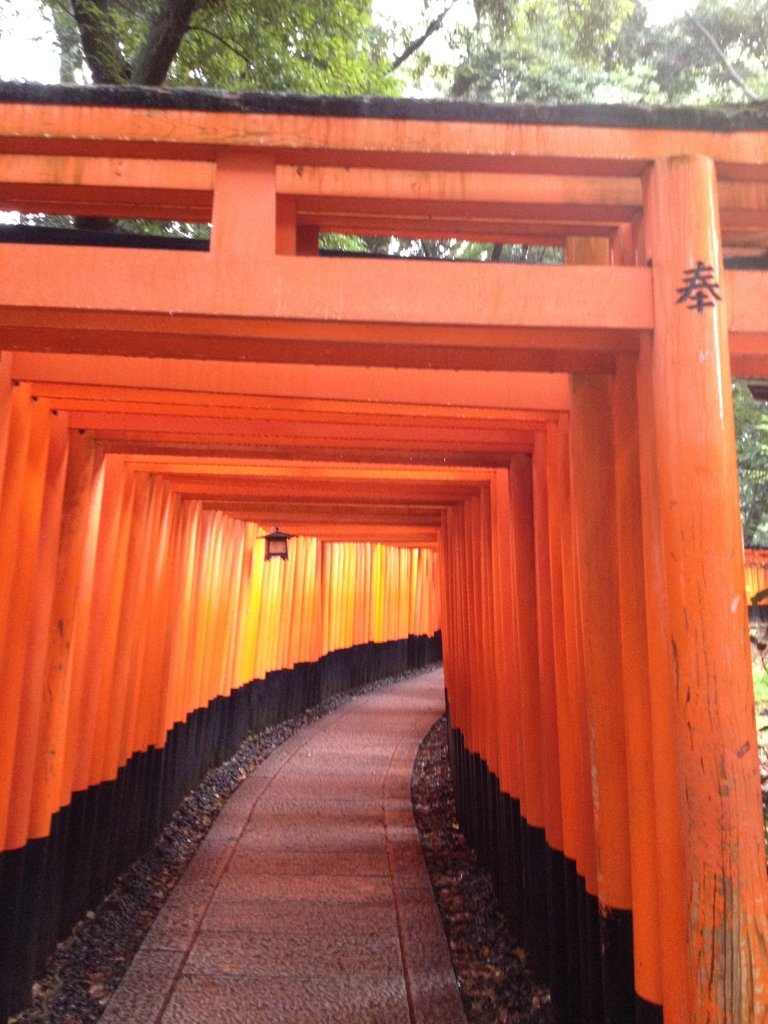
[561,435]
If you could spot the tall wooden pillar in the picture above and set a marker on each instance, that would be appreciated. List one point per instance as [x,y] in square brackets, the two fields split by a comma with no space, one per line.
[57,695]
[595,521]
[21,507]
[699,619]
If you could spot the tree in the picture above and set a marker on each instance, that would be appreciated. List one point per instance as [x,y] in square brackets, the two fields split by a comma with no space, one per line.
[715,53]
[533,50]
[278,45]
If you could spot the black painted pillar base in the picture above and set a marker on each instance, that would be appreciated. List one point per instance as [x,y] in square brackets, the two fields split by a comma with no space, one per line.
[582,951]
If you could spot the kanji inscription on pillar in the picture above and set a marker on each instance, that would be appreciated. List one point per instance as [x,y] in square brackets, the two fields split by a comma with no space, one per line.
[700,289]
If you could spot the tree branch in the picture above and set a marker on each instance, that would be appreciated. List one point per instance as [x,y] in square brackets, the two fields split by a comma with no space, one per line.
[226,43]
[101,46]
[162,40]
[416,44]
[734,74]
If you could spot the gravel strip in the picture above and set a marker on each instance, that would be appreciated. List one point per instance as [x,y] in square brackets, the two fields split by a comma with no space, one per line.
[488,962]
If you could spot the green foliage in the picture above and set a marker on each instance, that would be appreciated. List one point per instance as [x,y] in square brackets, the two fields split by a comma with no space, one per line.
[716,53]
[599,51]
[760,681]
[751,419]
[331,242]
[532,71]
[523,51]
[285,47]
[517,51]
[584,27]
[276,45]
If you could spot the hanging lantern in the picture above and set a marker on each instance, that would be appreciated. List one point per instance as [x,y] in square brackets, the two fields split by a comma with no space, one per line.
[276,544]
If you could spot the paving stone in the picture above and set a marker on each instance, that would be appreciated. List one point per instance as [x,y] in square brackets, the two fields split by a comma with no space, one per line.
[311,832]
[308,921]
[210,860]
[320,888]
[199,999]
[342,860]
[143,992]
[175,926]
[281,956]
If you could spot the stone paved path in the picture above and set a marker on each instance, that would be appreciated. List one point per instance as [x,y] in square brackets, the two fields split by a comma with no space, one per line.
[308,902]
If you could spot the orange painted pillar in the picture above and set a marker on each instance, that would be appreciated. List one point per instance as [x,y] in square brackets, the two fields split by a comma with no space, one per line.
[509,868]
[568,764]
[21,510]
[175,704]
[523,557]
[632,649]
[57,693]
[486,658]
[534,753]
[244,219]
[313,618]
[457,625]
[548,632]
[41,599]
[99,649]
[644,848]
[504,630]
[160,621]
[576,985]
[595,521]
[471,556]
[118,678]
[700,622]
[576,782]
[451,642]
[194,578]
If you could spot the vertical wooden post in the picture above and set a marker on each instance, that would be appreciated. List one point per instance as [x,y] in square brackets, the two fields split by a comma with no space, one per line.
[57,695]
[636,675]
[594,494]
[622,414]
[534,753]
[41,598]
[116,680]
[583,849]
[546,625]
[20,522]
[700,620]
[244,220]
[523,556]
[504,628]
[578,995]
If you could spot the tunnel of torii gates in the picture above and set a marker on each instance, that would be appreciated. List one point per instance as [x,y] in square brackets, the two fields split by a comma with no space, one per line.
[533,464]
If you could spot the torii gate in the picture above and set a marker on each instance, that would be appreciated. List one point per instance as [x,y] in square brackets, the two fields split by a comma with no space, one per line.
[594,625]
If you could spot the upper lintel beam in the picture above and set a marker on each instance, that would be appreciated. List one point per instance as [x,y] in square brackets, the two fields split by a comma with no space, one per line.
[362,141]
[298,290]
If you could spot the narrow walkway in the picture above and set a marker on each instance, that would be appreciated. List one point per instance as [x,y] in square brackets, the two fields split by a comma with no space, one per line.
[308,902]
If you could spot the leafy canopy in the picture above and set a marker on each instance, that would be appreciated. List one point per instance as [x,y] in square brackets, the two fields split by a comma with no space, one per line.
[277,45]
